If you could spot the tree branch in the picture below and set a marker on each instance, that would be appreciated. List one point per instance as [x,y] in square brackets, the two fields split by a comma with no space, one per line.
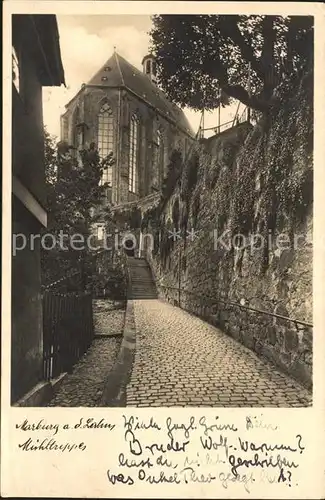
[267,57]
[230,29]
[216,69]
[254,101]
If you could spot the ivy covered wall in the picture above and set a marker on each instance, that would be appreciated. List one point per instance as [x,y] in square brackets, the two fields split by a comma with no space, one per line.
[237,229]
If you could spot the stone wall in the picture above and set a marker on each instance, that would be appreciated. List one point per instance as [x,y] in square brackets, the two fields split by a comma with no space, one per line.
[256,183]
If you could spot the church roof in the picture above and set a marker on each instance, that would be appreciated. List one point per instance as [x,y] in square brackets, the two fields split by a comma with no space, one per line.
[118,72]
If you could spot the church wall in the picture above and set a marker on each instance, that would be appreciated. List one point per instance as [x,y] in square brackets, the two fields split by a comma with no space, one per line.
[89,103]
[94,99]
[150,122]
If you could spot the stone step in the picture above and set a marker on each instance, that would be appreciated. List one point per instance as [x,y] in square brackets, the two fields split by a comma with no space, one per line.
[143,288]
[140,263]
[141,281]
[136,281]
[143,285]
[142,296]
[137,274]
[140,276]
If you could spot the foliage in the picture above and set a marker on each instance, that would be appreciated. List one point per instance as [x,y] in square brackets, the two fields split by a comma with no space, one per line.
[190,174]
[196,207]
[135,218]
[149,218]
[262,184]
[73,189]
[197,55]
[176,214]
[174,171]
[275,166]
[110,283]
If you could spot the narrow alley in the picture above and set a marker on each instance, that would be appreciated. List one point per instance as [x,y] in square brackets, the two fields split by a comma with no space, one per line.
[181,360]
[154,354]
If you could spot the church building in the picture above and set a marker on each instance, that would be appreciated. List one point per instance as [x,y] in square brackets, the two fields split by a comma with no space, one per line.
[122,110]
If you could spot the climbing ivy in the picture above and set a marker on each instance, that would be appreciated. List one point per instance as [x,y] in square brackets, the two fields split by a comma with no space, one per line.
[196,207]
[260,178]
[190,176]
[174,170]
[278,155]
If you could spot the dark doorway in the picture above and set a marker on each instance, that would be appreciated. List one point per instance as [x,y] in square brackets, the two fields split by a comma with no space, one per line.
[129,247]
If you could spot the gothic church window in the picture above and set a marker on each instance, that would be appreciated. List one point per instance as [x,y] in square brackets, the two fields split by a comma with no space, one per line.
[134,154]
[100,232]
[158,159]
[160,143]
[80,136]
[64,128]
[105,139]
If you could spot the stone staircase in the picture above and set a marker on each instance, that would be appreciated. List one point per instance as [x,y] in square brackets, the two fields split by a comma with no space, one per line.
[142,285]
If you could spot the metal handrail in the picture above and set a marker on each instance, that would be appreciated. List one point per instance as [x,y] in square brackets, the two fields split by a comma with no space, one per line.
[236,304]
[45,288]
[233,121]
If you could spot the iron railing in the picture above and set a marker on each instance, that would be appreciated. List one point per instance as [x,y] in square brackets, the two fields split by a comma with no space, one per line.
[238,118]
[73,280]
[206,301]
[67,330]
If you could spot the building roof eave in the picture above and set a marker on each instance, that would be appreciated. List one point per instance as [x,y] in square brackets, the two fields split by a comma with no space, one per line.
[164,115]
[47,36]
[190,134]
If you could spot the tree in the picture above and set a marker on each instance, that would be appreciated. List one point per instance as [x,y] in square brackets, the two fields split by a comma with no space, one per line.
[73,190]
[201,57]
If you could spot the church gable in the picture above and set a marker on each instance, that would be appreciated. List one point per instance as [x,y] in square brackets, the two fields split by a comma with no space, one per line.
[117,72]
[121,111]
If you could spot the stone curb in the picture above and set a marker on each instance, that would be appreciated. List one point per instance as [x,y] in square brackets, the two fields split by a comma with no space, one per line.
[114,393]
[41,394]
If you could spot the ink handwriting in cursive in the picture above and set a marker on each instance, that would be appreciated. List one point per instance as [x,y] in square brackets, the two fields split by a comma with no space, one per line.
[50,445]
[245,479]
[190,475]
[218,427]
[255,423]
[91,423]
[172,426]
[246,445]
[41,425]
[134,443]
[162,478]
[119,478]
[171,446]
[126,462]
[237,462]
[134,424]
[208,444]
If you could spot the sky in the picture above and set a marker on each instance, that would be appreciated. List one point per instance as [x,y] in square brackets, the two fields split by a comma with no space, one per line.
[87,42]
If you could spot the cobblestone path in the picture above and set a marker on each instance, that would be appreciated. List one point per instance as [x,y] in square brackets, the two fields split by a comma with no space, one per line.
[85,385]
[108,317]
[181,360]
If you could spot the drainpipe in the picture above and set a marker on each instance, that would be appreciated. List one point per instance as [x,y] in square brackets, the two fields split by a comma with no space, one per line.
[140,244]
[118,150]
[249,92]
[179,275]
